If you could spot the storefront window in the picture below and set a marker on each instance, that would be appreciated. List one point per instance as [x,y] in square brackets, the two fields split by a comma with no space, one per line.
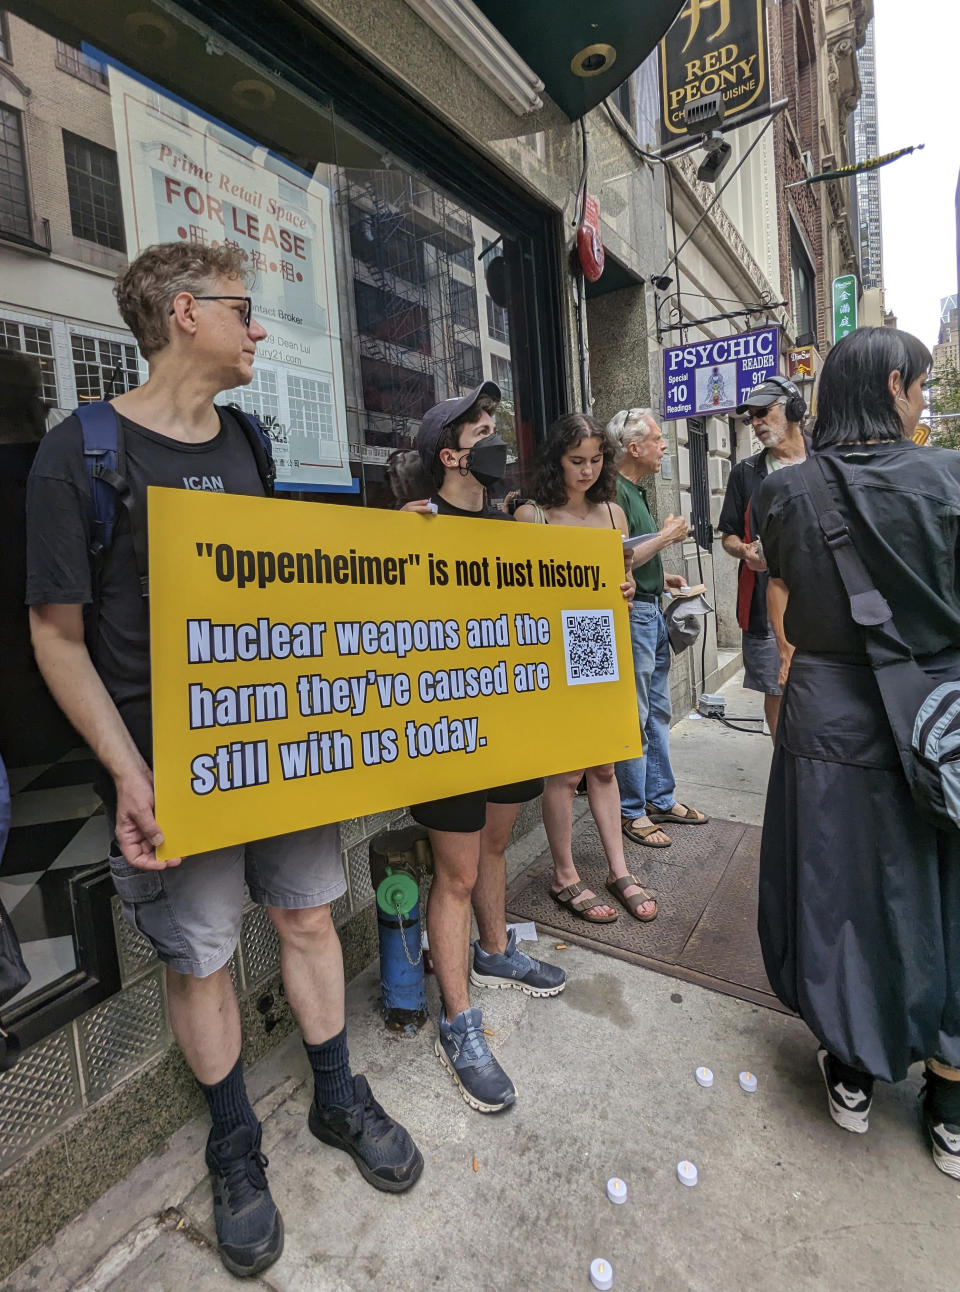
[382,289]
[24,338]
[103,368]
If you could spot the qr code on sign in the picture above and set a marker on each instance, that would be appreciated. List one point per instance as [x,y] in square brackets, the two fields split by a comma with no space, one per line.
[589,646]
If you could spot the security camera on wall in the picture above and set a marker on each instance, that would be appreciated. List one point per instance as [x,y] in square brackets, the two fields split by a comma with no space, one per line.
[715,158]
[706,114]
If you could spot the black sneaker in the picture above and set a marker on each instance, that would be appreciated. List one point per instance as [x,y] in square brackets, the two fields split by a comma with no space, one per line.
[514,968]
[849,1093]
[249,1226]
[385,1154]
[462,1049]
[940,1110]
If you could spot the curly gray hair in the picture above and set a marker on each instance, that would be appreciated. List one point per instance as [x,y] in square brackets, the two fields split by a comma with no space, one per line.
[630,425]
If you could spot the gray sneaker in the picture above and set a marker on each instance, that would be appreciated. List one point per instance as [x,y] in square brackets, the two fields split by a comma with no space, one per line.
[515,969]
[462,1049]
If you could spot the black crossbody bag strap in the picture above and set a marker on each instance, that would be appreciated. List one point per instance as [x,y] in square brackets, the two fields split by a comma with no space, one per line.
[902,682]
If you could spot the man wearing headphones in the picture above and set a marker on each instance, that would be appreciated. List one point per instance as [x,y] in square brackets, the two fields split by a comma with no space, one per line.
[775,410]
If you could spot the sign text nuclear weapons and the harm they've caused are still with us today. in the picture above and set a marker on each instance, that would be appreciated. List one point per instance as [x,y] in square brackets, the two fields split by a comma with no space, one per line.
[312,664]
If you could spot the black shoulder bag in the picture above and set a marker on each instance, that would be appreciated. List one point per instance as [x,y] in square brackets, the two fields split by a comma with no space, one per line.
[925,720]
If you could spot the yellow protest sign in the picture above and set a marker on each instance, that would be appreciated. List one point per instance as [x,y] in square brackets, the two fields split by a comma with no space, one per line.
[315,663]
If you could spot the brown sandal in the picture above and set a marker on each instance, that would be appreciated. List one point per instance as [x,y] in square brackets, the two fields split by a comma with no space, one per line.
[632,903]
[567,898]
[672,816]
[641,834]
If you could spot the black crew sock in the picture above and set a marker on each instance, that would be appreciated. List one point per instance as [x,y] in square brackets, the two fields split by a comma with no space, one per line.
[228,1103]
[842,1072]
[332,1078]
[941,1097]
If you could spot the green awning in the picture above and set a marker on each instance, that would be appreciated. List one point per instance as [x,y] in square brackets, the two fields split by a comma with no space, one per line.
[605,40]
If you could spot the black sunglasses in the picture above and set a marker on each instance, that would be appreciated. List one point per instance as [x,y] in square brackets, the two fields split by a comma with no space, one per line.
[247,314]
[751,413]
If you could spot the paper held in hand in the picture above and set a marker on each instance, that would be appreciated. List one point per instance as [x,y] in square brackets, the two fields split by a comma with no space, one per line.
[644,546]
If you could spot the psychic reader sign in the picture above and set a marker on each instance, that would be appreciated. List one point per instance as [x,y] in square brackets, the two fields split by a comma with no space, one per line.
[713,377]
[311,664]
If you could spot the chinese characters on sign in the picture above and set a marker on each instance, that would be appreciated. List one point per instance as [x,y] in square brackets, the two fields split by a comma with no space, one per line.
[713,377]
[844,306]
[714,46]
[185,177]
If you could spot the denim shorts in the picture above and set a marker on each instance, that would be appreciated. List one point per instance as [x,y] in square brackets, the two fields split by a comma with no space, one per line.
[761,664]
[191,913]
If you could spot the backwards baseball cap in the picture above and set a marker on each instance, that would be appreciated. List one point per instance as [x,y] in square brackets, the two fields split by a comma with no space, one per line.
[438,418]
[768,393]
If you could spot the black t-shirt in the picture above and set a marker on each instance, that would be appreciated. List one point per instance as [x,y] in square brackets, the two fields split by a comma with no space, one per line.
[59,520]
[902,504]
[445,508]
[746,477]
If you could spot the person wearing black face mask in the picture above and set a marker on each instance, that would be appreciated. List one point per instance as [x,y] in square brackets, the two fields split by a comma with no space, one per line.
[462,454]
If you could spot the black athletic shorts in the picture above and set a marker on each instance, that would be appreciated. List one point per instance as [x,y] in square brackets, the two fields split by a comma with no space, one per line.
[467,813]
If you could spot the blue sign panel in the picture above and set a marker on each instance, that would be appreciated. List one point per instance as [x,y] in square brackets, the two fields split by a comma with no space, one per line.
[713,377]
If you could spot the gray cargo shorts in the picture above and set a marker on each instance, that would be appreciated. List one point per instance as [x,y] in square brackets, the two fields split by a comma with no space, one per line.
[190,913]
[761,664]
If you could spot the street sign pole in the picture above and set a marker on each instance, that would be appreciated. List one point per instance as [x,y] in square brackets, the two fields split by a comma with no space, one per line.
[844,306]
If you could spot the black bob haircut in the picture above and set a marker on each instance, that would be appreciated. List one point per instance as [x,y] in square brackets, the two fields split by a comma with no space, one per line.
[566,433]
[854,404]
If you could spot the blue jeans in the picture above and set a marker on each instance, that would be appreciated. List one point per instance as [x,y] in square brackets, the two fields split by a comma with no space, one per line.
[649,778]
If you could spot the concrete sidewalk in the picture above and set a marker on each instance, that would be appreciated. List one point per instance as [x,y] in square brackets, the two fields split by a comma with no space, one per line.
[606,1087]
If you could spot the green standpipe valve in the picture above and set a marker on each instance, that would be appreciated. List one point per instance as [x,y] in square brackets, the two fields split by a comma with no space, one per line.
[397,889]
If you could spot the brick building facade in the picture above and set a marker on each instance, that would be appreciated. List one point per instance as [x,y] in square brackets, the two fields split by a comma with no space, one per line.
[813,65]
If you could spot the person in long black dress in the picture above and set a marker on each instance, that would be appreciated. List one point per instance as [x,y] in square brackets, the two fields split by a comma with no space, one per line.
[859,897]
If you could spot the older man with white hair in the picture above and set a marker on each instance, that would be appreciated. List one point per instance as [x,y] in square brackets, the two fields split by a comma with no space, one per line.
[647,783]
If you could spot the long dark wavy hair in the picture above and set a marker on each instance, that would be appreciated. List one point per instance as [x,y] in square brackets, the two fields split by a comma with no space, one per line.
[854,403]
[567,432]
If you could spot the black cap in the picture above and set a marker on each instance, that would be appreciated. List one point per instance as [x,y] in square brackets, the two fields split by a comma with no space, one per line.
[769,393]
[438,418]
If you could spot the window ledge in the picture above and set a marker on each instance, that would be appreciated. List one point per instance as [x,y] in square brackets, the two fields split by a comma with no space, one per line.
[23,244]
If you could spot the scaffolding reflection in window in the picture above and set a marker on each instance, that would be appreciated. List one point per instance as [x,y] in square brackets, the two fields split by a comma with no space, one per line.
[418,288]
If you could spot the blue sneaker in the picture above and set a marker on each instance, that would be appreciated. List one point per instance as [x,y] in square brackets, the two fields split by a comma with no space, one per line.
[385,1154]
[462,1049]
[249,1226]
[515,969]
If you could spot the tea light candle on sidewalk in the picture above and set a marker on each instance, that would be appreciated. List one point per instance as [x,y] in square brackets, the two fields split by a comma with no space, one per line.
[687,1174]
[616,1190]
[601,1274]
[748,1082]
[704,1077]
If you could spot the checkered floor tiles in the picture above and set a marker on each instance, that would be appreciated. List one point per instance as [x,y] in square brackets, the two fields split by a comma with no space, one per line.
[57,829]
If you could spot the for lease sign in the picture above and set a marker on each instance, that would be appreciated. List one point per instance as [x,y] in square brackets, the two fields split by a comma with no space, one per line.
[713,377]
[185,177]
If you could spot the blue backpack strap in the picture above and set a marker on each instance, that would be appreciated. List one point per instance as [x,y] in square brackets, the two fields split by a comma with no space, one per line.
[100,428]
[104,459]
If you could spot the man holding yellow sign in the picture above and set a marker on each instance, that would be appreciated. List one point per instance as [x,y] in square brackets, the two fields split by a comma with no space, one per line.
[186,306]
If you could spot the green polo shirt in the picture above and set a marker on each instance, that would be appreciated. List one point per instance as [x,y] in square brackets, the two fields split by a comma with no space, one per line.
[633,499]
